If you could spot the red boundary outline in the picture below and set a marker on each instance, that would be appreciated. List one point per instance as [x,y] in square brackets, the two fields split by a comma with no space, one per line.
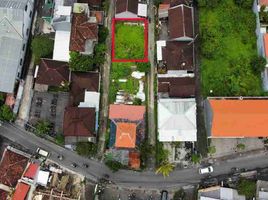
[145,21]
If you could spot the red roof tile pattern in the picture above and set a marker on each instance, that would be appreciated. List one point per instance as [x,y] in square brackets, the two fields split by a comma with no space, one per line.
[81,31]
[94,3]
[81,81]
[52,72]
[79,122]
[178,55]
[12,168]
[3,195]
[177,87]
[180,22]
[128,112]
[134,160]
[125,135]
[31,171]
[127,5]
[21,191]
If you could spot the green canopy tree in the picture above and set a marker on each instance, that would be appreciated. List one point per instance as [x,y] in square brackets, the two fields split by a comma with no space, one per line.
[6,113]
[165,168]
[42,127]
[87,149]
[42,47]
[79,62]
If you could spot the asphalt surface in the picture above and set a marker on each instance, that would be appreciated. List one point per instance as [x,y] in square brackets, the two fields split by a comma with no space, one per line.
[126,178]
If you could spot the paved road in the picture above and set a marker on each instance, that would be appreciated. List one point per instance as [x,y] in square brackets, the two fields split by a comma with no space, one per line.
[126,178]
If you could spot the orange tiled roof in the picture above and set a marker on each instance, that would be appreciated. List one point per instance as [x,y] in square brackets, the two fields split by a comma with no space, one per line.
[239,118]
[134,160]
[265,41]
[164,6]
[21,191]
[263,2]
[125,135]
[31,171]
[128,112]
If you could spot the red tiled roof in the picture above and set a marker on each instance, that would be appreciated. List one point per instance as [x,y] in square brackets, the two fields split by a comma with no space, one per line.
[178,55]
[180,22]
[174,2]
[177,86]
[81,81]
[263,2]
[31,171]
[91,2]
[79,122]
[99,16]
[128,112]
[21,191]
[125,135]
[163,7]
[127,5]
[134,160]
[3,194]
[12,168]
[52,72]
[265,41]
[82,30]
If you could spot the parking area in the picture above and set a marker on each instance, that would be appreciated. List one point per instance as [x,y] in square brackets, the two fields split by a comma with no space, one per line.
[49,106]
[225,147]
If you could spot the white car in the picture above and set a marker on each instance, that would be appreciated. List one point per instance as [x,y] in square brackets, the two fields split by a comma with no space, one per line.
[206,170]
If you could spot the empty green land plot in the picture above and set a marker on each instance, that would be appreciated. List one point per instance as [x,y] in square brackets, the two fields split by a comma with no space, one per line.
[129,41]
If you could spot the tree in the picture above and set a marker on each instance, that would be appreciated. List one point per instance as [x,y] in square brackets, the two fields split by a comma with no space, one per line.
[143,66]
[2,98]
[247,188]
[211,150]
[42,46]
[146,150]
[179,194]
[6,113]
[87,149]
[196,158]
[99,54]
[42,127]
[258,64]
[80,62]
[103,33]
[59,139]
[240,146]
[114,165]
[137,101]
[165,168]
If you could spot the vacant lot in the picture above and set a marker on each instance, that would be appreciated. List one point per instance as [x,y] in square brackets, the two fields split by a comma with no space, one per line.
[229,62]
[129,41]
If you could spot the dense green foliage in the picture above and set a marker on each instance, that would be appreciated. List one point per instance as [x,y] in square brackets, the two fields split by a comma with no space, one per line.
[211,150]
[196,158]
[129,41]
[161,154]
[179,194]
[145,151]
[6,113]
[42,127]
[114,165]
[228,47]
[59,139]
[165,168]
[87,149]
[143,66]
[42,47]
[247,188]
[79,62]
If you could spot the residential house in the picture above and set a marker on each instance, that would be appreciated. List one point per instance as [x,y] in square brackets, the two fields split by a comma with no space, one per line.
[84,34]
[51,73]
[91,3]
[219,193]
[79,125]
[176,87]
[177,120]
[127,131]
[126,8]
[236,118]
[262,190]
[181,23]
[15,18]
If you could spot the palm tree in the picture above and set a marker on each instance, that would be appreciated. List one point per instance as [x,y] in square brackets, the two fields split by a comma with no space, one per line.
[165,168]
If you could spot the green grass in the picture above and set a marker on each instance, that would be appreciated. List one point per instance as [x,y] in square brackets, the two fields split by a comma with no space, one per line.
[228,46]
[129,41]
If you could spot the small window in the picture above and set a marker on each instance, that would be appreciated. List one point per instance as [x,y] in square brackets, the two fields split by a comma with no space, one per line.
[27,31]
[30,15]
[21,61]
[23,47]
[26,7]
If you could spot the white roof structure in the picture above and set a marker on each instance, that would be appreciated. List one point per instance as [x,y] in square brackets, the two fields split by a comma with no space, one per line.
[42,178]
[142,10]
[159,45]
[61,46]
[92,100]
[220,193]
[63,11]
[177,120]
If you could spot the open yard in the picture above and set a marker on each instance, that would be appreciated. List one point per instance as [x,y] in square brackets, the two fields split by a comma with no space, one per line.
[129,40]
[229,62]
